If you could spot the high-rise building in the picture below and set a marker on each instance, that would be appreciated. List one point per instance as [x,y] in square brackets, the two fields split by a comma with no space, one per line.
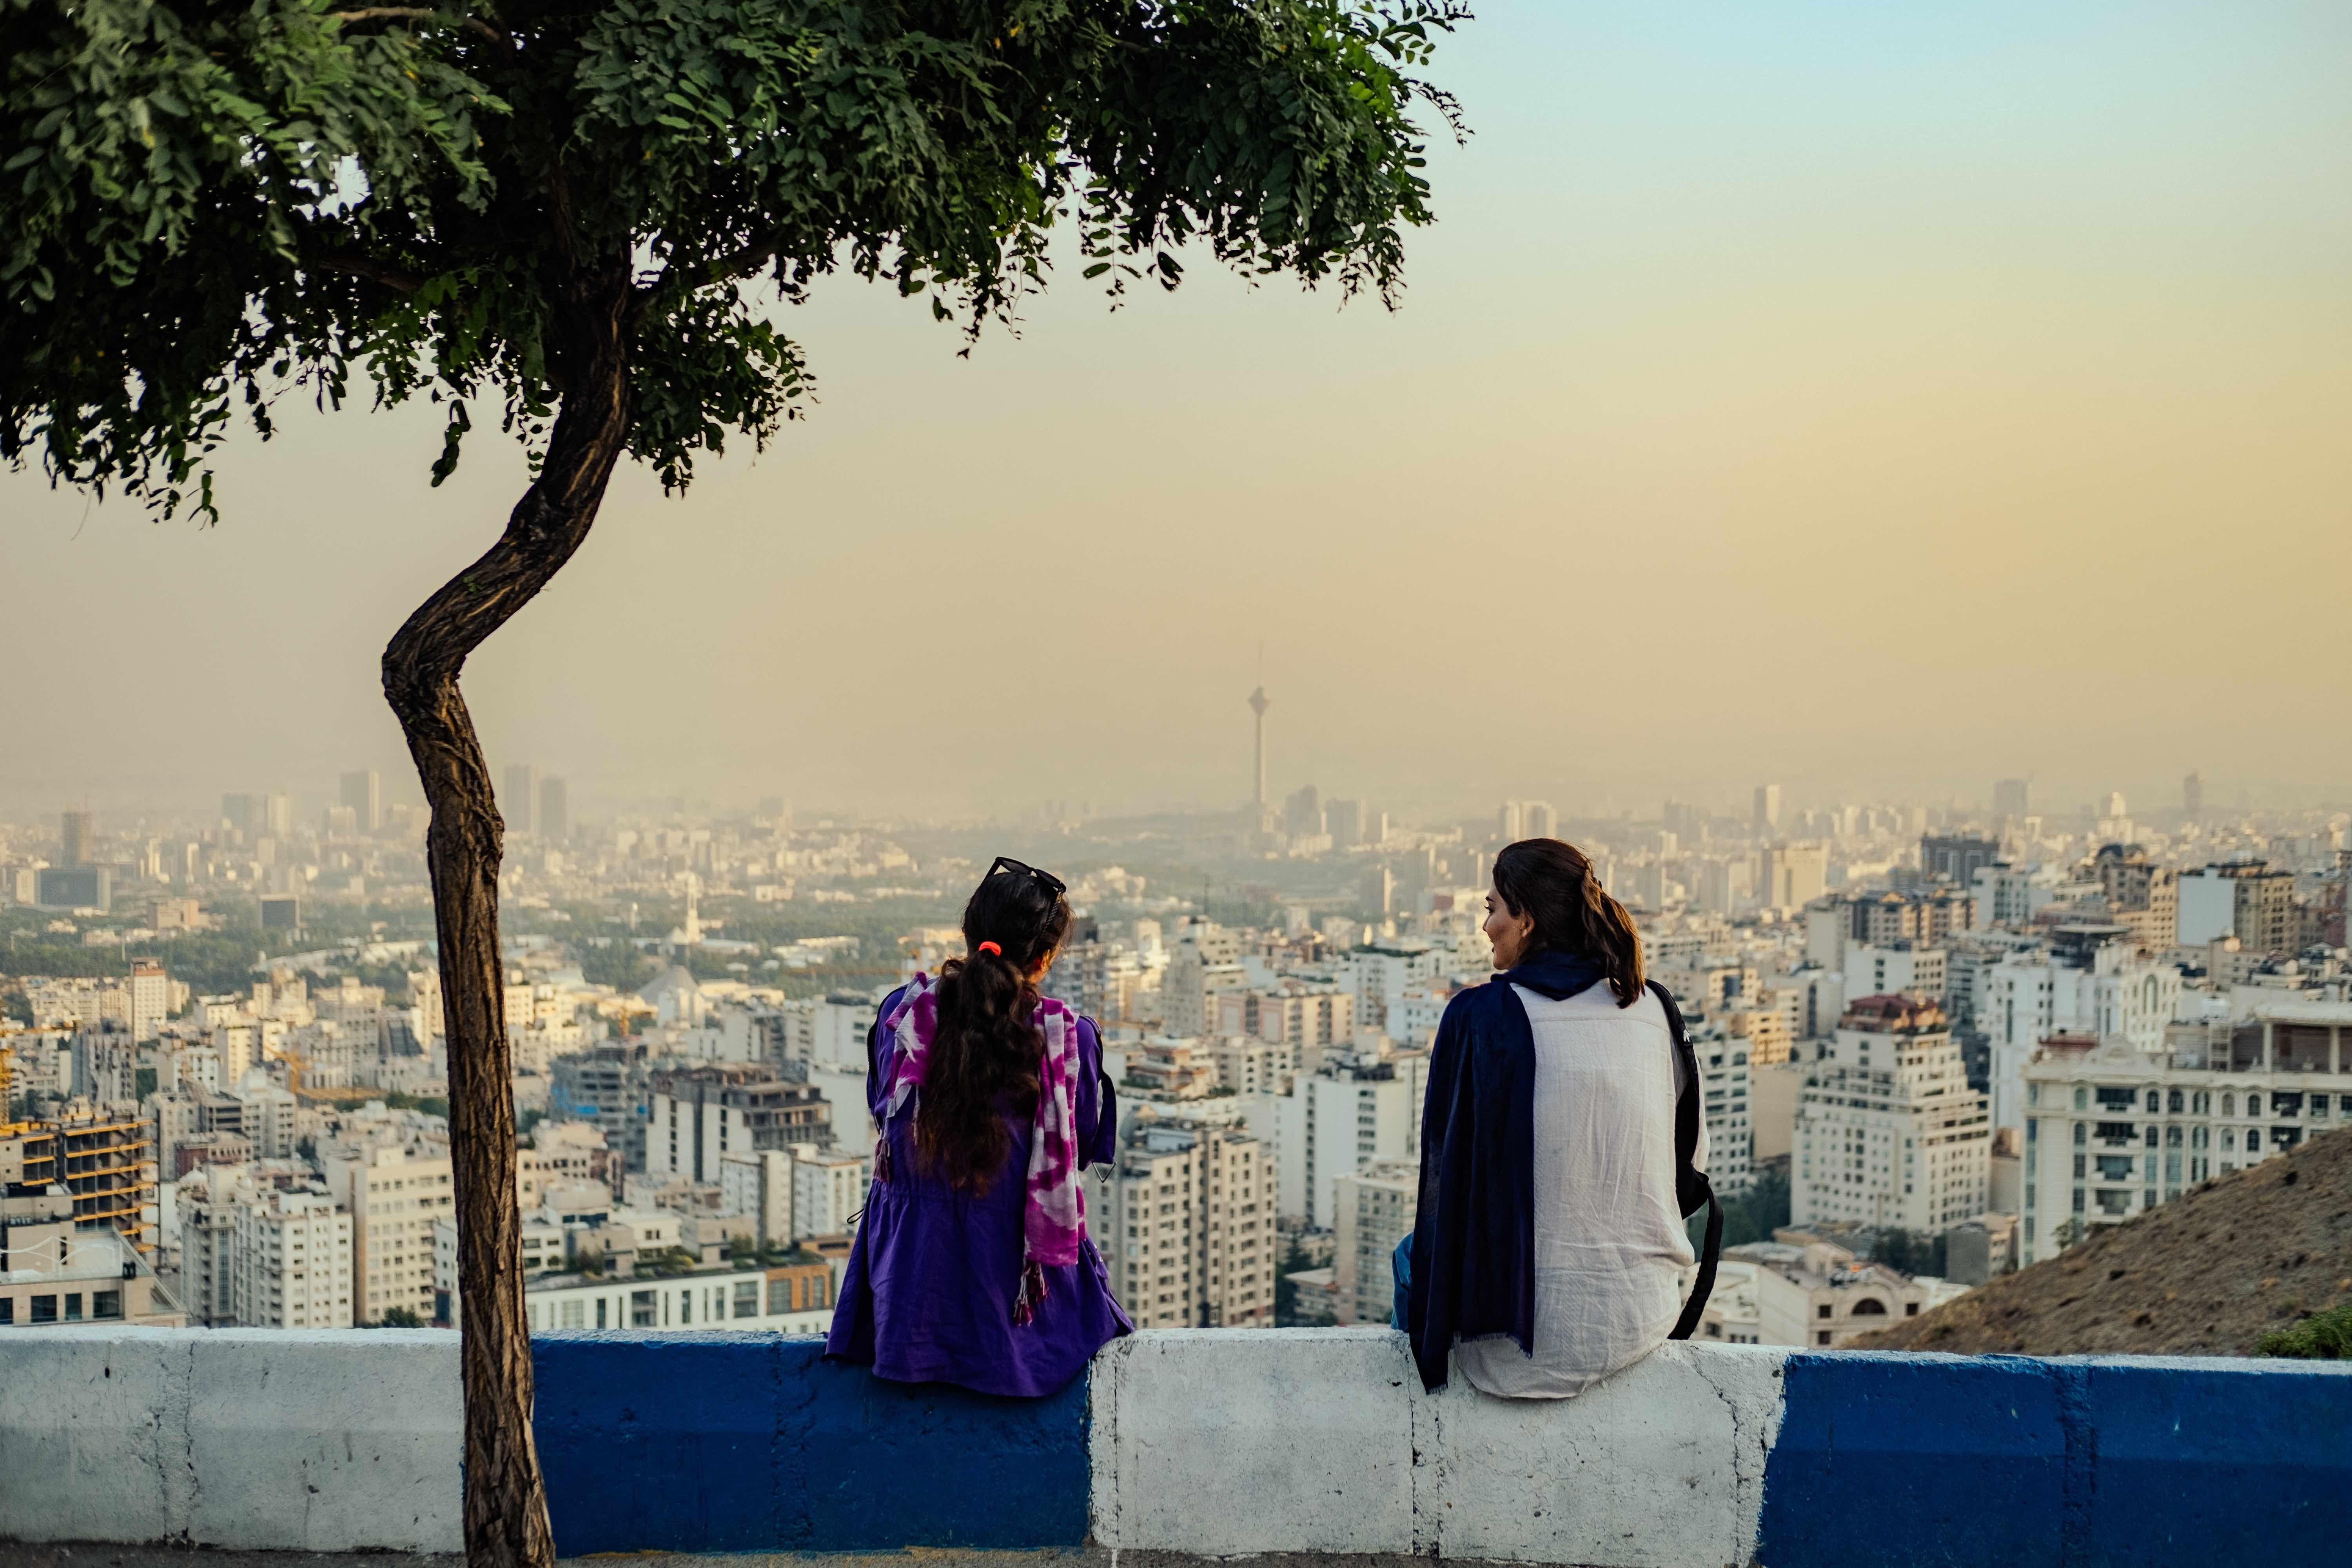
[1184,1220]
[1204,960]
[1768,810]
[2244,898]
[554,809]
[2193,796]
[242,812]
[829,1188]
[2008,799]
[1887,1131]
[151,997]
[278,814]
[393,1195]
[1302,813]
[289,1263]
[1375,1207]
[1340,1120]
[1794,875]
[518,800]
[1344,821]
[699,1114]
[1538,819]
[77,840]
[74,888]
[2112,1130]
[1511,821]
[363,792]
[1957,858]
[2092,991]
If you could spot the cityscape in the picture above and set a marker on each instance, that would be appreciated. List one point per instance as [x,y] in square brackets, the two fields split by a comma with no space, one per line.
[1324,783]
[1939,1043]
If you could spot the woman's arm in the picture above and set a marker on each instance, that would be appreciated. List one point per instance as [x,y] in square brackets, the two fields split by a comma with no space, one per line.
[1098,1102]
[877,1058]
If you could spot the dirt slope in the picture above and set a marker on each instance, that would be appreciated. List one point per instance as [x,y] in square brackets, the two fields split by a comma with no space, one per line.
[2207,1274]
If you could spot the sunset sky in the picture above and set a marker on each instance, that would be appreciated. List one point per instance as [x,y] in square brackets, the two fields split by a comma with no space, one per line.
[1880,399]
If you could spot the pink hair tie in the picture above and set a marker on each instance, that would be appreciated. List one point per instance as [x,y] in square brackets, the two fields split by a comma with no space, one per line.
[991,947]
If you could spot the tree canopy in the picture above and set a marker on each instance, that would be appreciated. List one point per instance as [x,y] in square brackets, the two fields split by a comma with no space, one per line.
[585,212]
[204,203]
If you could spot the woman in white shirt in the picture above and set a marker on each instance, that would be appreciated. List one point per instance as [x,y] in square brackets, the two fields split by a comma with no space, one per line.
[1550,1240]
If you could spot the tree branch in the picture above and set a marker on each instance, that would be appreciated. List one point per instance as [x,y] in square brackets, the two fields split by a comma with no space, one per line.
[399,280]
[739,264]
[419,14]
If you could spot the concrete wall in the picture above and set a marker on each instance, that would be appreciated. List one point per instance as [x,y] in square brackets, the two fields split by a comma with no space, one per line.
[1195,1441]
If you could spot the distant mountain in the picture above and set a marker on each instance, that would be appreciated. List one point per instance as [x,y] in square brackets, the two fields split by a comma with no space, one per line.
[2206,1274]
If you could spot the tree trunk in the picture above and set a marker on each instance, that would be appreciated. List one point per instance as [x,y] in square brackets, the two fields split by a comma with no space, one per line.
[505,1499]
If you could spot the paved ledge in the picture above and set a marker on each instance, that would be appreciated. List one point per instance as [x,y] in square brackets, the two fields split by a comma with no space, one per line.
[98,1554]
[1177,1447]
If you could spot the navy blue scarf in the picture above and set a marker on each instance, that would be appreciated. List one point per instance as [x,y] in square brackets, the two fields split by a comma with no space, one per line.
[1473,1238]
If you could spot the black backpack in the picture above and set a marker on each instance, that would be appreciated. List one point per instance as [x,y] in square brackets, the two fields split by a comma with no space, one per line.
[1693,1191]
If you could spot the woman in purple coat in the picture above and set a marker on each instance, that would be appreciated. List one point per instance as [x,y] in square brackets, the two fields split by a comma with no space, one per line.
[973,1264]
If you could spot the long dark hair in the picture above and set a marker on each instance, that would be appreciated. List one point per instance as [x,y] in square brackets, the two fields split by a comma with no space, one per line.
[988,1043]
[1552,883]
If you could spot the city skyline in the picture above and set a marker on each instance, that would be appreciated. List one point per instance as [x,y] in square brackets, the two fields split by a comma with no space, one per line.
[1866,439]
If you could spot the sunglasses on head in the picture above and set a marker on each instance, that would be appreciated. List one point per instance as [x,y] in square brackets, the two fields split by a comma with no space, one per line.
[1046,879]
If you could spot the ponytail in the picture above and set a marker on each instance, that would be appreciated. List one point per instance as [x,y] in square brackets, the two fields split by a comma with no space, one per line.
[1552,883]
[988,1044]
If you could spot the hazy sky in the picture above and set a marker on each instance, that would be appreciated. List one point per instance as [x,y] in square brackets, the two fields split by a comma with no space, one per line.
[1878,398]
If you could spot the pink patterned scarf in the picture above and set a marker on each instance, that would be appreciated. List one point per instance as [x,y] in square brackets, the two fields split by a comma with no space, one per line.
[1053,1213]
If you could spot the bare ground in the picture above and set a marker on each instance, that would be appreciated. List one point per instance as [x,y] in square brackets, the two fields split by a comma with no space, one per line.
[2207,1274]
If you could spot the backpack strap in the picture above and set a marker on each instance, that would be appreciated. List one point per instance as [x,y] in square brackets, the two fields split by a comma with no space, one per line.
[1693,1191]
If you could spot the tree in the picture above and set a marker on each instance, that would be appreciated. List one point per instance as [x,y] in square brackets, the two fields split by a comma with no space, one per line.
[581,213]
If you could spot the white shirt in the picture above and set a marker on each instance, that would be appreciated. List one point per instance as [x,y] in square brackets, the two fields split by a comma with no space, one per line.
[1611,1247]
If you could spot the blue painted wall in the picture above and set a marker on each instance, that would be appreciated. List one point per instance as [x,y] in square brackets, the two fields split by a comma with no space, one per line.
[1906,1460]
[727,1442]
[739,1443]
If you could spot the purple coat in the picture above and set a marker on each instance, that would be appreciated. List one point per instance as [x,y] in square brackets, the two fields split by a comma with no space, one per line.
[927,1296]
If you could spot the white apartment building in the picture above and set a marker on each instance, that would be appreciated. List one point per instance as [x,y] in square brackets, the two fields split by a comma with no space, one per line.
[1896,969]
[1352,1113]
[1378,974]
[1887,1130]
[1725,1080]
[2028,997]
[394,1195]
[289,1263]
[1203,963]
[1184,1221]
[149,998]
[1246,1065]
[2010,895]
[1376,1207]
[2112,1130]
[758,1184]
[829,1190]
[1310,1019]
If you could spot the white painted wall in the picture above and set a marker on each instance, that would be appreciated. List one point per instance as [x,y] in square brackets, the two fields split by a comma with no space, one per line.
[314,1440]
[1324,1441]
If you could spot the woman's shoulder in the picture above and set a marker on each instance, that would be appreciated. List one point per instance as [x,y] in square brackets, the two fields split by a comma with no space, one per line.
[1599,1004]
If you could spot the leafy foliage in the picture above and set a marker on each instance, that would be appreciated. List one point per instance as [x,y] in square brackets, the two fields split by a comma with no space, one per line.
[2326,1336]
[204,204]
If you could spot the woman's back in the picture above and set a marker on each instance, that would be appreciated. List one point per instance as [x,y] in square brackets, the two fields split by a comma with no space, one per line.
[1610,1246]
[930,1291]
